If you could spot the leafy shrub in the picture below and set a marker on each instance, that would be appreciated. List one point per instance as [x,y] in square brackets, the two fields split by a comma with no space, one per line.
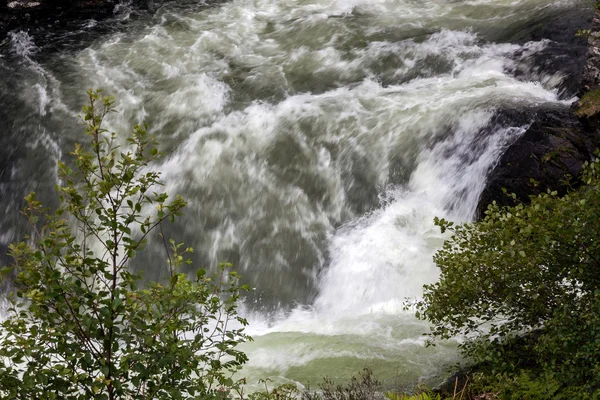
[423,395]
[526,385]
[523,286]
[79,325]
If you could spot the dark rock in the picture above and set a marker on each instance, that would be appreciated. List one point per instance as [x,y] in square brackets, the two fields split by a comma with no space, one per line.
[591,70]
[564,52]
[554,147]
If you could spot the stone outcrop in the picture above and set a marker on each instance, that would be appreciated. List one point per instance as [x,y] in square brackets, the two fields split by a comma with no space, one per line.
[553,148]
[591,70]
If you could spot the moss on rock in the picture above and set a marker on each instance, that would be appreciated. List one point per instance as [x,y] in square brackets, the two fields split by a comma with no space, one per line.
[589,105]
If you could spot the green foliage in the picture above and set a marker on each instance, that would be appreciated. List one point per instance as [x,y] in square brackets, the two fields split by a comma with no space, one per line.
[362,387]
[526,385]
[422,395]
[287,391]
[523,286]
[584,32]
[79,325]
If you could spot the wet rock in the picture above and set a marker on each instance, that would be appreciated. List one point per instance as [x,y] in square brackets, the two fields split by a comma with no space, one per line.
[37,15]
[555,146]
[591,70]
[563,54]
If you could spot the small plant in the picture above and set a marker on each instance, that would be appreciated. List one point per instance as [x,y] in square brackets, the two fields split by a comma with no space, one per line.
[79,325]
[525,384]
[362,387]
[584,32]
[287,391]
[422,392]
[426,395]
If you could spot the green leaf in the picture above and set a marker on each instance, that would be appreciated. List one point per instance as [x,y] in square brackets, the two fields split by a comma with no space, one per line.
[79,327]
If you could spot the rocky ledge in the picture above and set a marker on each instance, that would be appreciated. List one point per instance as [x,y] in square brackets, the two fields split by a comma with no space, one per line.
[554,147]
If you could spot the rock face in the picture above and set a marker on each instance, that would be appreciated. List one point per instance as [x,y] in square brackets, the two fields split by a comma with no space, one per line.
[591,70]
[564,52]
[553,148]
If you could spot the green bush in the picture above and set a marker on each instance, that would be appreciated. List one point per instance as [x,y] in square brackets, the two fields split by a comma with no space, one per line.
[79,325]
[287,391]
[526,385]
[523,286]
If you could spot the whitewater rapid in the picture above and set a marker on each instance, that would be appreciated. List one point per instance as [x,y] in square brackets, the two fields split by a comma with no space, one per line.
[314,141]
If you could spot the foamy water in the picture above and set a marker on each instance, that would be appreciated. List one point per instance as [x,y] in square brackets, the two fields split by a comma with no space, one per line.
[314,141]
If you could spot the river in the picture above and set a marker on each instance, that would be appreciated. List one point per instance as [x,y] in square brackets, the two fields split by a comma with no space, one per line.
[314,140]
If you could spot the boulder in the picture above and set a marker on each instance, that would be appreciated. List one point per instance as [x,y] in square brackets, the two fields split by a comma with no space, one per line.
[551,151]
[550,154]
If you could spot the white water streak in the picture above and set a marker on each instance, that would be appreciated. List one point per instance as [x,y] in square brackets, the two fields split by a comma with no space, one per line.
[315,142]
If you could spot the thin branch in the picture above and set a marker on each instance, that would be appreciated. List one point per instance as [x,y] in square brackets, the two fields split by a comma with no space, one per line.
[166,250]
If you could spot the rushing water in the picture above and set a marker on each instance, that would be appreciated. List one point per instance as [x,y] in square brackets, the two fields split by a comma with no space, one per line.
[315,141]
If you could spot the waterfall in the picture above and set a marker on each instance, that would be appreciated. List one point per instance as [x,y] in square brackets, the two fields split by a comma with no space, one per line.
[314,141]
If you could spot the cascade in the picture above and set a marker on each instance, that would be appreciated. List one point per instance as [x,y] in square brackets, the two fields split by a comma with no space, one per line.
[314,140]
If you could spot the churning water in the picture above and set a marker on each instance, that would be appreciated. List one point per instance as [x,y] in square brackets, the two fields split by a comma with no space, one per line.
[315,141]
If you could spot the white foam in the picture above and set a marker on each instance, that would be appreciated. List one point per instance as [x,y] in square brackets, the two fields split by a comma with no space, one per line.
[22,43]
[284,122]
